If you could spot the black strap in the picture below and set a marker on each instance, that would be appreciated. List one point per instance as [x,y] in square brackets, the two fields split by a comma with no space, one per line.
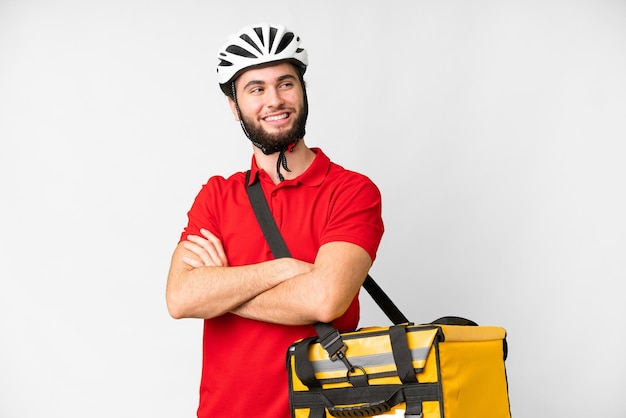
[402,354]
[392,394]
[304,367]
[280,250]
[454,320]
[383,301]
[266,220]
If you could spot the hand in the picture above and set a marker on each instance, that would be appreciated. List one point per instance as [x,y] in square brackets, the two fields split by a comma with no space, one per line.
[208,250]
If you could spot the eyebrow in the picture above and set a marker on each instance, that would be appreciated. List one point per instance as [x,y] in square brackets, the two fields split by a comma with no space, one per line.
[262,82]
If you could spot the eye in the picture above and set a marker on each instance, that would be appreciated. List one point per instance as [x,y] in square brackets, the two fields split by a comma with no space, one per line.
[286,85]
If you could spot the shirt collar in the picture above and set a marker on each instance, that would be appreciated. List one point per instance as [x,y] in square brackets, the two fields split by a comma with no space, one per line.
[313,176]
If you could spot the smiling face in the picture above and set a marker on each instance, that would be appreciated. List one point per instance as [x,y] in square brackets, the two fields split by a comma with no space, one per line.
[271,104]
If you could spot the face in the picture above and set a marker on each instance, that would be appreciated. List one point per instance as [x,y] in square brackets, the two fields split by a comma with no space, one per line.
[271,102]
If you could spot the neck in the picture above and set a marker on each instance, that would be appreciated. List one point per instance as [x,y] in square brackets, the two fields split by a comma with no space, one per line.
[298,160]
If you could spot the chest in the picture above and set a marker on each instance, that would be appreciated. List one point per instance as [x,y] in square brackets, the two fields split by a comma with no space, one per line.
[302,218]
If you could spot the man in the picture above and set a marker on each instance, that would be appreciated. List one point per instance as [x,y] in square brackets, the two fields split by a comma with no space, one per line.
[222,270]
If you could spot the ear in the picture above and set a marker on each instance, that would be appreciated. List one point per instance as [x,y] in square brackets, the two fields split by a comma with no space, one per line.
[233,108]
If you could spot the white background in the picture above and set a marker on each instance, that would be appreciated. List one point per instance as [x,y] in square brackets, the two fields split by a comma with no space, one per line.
[494,129]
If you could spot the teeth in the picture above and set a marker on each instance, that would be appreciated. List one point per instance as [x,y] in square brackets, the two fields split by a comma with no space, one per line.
[276,117]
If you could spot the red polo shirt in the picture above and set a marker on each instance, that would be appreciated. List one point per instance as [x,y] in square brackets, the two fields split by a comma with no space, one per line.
[244,372]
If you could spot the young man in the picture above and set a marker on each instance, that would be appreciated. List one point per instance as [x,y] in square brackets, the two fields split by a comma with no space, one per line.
[255,306]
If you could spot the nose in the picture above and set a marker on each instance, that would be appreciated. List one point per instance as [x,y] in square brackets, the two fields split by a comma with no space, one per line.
[274,97]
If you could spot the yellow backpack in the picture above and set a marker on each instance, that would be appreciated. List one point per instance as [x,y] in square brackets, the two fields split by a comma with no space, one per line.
[450,368]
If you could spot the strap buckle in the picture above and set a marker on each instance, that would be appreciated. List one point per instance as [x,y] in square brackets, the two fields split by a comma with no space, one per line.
[336,348]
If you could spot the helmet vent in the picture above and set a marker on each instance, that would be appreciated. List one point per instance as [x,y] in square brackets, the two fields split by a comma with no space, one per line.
[284,42]
[259,33]
[249,40]
[273,31]
[237,50]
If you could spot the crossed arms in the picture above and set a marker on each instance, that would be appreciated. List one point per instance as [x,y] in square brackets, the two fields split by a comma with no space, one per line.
[286,291]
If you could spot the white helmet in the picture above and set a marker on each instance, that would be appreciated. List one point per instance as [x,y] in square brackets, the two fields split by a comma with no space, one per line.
[256,45]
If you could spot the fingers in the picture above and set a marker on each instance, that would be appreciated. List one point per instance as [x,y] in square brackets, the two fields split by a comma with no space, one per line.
[208,249]
[201,253]
[217,246]
[193,262]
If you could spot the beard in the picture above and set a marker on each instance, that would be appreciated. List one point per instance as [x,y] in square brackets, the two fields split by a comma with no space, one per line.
[270,143]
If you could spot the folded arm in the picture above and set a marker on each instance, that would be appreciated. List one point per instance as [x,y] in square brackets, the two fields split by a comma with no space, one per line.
[201,284]
[285,291]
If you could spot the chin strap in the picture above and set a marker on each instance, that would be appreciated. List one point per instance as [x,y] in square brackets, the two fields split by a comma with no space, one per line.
[243,126]
[282,161]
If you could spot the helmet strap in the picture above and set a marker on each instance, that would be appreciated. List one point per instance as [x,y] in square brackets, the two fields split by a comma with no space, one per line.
[243,126]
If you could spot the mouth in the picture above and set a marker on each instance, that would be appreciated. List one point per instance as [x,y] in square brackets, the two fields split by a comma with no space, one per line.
[276,117]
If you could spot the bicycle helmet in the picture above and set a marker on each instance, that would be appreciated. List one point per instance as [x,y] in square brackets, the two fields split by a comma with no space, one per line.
[257,45]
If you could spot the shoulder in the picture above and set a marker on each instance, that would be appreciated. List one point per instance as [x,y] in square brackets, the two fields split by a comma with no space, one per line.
[219,189]
[351,180]
[339,176]
[217,184]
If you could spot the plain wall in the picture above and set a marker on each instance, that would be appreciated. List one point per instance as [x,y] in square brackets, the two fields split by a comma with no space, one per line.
[494,129]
